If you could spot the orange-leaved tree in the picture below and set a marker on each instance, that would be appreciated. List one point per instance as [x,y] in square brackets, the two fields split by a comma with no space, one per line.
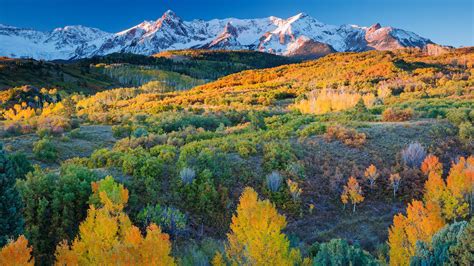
[17,253]
[107,236]
[352,192]
[371,174]
[432,164]
[255,237]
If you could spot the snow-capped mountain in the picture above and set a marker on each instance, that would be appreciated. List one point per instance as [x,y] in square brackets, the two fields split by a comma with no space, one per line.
[61,43]
[299,36]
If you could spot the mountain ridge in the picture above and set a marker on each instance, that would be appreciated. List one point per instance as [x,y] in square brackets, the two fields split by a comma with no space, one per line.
[300,35]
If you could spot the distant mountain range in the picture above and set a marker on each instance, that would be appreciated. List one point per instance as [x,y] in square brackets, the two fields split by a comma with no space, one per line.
[299,36]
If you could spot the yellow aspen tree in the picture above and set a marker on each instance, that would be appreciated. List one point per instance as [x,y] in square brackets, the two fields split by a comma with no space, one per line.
[99,235]
[345,198]
[419,224]
[436,192]
[432,164]
[371,174]
[64,255]
[398,242]
[460,184]
[352,192]
[435,189]
[155,249]
[17,253]
[255,237]
[294,188]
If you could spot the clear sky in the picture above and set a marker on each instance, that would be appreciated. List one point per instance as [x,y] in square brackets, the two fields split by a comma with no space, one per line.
[443,21]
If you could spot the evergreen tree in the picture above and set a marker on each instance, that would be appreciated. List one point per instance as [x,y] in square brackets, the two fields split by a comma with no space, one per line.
[54,207]
[463,252]
[438,251]
[11,221]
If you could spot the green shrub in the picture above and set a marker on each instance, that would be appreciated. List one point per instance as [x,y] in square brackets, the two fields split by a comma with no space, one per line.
[257,121]
[461,253]
[140,132]
[45,150]
[43,132]
[312,129]
[458,116]
[122,131]
[167,153]
[339,252]
[245,148]
[98,158]
[466,131]
[131,164]
[55,203]
[201,197]
[77,134]
[200,253]
[20,164]
[171,220]
[277,155]
[296,170]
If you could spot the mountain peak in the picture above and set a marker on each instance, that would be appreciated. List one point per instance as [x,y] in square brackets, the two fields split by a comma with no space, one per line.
[168,18]
[297,17]
[375,27]
[169,14]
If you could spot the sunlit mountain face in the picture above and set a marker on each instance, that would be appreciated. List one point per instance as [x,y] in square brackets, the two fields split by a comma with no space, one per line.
[299,36]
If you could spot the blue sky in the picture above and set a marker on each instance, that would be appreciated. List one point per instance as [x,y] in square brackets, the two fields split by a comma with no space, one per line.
[443,21]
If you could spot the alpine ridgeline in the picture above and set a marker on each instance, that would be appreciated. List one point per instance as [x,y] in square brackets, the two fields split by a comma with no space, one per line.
[299,36]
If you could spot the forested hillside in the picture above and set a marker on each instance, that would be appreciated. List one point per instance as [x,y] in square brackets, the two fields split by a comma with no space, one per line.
[351,159]
[105,72]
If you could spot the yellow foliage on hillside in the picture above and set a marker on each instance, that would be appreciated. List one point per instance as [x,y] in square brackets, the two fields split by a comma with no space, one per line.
[326,101]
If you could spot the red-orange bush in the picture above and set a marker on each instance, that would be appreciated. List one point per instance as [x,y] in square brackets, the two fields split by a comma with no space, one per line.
[394,115]
[348,136]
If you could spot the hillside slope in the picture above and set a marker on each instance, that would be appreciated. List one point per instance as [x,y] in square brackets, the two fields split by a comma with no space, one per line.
[397,76]
[88,75]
